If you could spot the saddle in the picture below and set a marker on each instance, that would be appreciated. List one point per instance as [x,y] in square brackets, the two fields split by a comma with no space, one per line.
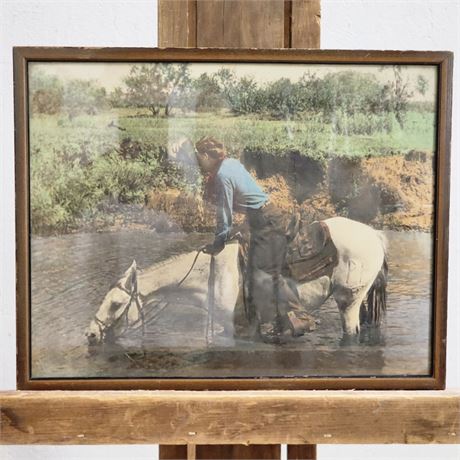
[311,253]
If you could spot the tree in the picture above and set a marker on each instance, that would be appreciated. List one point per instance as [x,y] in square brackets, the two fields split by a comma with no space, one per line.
[207,94]
[156,86]
[117,98]
[396,95]
[283,98]
[177,85]
[247,97]
[422,84]
[46,93]
[83,96]
[349,92]
[309,88]
[242,95]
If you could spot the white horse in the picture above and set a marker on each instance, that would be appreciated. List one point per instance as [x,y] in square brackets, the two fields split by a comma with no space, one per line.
[357,283]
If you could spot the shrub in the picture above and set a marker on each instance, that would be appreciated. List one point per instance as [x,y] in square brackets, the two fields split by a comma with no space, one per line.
[124,181]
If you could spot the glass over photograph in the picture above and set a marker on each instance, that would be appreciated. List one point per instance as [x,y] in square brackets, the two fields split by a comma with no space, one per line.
[231,220]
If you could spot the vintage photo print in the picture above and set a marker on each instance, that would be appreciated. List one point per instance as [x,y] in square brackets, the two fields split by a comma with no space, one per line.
[231,220]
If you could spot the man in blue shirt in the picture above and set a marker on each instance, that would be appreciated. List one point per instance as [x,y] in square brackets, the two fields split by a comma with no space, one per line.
[274,302]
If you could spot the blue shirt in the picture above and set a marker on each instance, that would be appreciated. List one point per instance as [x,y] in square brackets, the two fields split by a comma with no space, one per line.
[236,190]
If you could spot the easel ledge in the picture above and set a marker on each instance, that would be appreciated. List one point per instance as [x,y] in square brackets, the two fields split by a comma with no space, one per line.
[229,417]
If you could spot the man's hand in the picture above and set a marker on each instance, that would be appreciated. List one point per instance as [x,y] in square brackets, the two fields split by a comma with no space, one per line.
[213,249]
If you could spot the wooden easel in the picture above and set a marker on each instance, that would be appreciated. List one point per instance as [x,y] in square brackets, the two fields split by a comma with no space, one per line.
[232,424]
[238,24]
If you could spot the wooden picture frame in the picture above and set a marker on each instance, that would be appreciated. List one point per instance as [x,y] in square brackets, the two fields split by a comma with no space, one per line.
[24,57]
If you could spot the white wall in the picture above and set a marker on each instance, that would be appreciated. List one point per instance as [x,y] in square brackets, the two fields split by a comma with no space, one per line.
[350,24]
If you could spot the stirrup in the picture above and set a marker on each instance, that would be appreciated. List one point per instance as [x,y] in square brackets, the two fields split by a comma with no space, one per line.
[273,333]
[298,326]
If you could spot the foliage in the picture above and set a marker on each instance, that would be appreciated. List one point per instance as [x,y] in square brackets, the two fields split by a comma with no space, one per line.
[284,99]
[89,147]
[336,93]
[348,92]
[45,92]
[397,95]
[164,87]
[77,165]
[207,94]
[344,123]
[422,84]
[121,180]
[74,168]
[242,95]
[156,86]
[117,99]
[83,97]
[49,95]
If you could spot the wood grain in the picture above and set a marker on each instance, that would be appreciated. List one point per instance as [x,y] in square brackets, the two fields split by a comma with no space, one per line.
[238,451]
[21,122]
[259,27]
[210,23]
[222,452]
[305,24]
[177,23]
[301,452]
[239,417]
[239,23]
[71,54]
[222,23]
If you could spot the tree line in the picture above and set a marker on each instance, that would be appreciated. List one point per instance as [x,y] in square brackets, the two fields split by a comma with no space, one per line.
[168,89]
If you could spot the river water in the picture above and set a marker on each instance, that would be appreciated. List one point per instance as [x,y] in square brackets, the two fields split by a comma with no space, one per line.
[72,273]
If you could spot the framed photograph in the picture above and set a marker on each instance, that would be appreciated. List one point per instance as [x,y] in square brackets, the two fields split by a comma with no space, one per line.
[231,219]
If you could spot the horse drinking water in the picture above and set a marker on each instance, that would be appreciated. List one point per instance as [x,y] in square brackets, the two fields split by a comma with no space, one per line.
[357,282]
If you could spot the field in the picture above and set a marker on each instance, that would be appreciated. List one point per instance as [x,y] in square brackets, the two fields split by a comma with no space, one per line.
[82,168]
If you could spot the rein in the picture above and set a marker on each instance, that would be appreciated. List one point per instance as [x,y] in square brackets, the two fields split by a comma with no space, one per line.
[191,268]
[134,296]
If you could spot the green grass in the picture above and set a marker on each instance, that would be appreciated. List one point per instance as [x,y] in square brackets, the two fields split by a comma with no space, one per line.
[311,136]
[77,165]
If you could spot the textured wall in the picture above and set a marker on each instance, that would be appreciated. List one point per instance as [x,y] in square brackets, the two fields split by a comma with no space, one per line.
[351,24]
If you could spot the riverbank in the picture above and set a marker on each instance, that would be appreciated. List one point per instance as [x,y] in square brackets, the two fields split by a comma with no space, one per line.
[392,192]
[389,192]
[82,169]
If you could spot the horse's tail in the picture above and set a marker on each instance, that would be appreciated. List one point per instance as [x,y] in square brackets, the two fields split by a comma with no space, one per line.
[373,310]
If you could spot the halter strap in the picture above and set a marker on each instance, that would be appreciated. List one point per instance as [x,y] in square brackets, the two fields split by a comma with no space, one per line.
[103,326]
[122,288]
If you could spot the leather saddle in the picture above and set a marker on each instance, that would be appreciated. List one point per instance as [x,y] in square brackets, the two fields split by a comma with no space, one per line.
[311,252]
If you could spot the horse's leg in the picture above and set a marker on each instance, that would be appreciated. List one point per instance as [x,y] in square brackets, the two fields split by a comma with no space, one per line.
[349,302]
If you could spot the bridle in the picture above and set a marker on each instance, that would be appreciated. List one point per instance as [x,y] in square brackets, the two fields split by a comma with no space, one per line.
[134,298]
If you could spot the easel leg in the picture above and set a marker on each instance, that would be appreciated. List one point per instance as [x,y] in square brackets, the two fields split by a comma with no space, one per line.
[301,452]
[205,24]
[236,452]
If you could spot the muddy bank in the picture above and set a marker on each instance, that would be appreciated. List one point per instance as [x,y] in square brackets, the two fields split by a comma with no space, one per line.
[392,192]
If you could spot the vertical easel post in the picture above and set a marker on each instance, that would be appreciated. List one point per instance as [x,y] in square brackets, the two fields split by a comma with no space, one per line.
[238,24]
